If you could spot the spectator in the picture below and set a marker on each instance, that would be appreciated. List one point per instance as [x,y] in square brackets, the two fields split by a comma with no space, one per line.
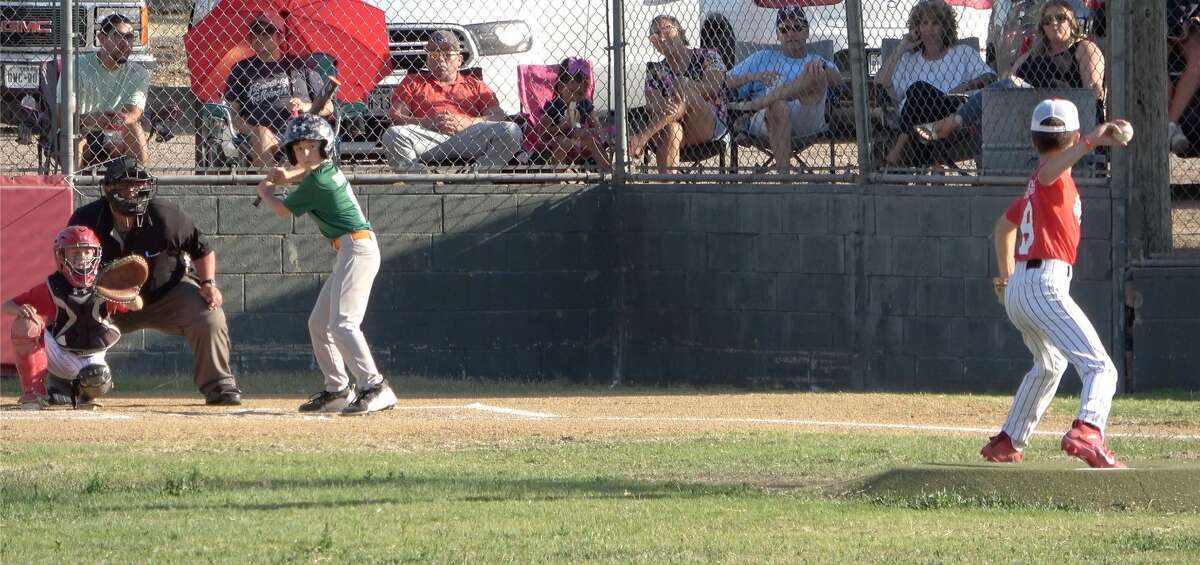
[1183,62]
[111,96]
[569,126]
[265,90]
[130,221]
[683,96]
[795,107]
[1061,57]
[442,114]
[926,70]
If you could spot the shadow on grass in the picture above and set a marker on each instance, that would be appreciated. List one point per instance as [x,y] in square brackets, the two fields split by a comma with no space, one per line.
[181,493]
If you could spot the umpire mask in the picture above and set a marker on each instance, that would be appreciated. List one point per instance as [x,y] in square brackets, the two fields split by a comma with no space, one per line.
[128,186]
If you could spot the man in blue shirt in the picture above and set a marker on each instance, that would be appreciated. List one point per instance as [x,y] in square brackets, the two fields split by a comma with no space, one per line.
[785,88]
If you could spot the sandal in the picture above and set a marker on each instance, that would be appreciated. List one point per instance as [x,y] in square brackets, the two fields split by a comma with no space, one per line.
[927,133]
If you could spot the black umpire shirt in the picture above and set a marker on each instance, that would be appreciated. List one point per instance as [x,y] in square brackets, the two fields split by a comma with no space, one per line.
[165,235]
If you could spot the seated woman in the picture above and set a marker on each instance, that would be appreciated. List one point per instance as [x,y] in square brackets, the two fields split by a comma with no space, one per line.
[683,94]
[927,69]
[1060,58]
[1183,66]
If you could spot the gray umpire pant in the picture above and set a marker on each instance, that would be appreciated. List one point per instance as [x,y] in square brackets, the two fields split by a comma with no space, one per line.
[336,319]
[489,144]
[183,312]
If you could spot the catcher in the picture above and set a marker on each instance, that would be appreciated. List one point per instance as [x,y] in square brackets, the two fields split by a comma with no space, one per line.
[64,325]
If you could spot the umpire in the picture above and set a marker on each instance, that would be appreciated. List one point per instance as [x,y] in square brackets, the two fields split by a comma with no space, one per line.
[129,220]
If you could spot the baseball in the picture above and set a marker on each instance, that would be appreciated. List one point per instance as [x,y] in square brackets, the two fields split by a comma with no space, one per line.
[1124,131]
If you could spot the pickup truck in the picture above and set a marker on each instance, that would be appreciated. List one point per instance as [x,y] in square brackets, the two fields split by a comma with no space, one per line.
[30,37]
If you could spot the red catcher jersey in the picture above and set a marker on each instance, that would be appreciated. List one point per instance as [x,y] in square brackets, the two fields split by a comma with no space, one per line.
[1047,219]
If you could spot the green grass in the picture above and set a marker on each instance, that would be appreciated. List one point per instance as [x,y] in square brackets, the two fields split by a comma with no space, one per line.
[747,497]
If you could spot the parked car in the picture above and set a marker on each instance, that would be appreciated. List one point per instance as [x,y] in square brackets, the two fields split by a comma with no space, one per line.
[29,38]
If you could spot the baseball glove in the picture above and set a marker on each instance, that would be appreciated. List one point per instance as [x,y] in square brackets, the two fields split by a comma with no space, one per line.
[122,280]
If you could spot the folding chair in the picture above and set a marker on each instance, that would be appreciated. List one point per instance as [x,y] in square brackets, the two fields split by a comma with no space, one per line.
[535,87]
[742,138]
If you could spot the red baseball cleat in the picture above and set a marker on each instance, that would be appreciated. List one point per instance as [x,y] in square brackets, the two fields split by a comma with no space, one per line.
[1000,450]
[1087,443]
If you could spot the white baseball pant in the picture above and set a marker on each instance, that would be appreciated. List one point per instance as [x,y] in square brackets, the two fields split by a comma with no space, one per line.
[334,325]
[1056,331]
[64,364]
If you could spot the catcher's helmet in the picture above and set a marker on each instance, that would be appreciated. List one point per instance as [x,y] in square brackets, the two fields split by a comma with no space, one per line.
[307,126]
[81,271]
[123,171]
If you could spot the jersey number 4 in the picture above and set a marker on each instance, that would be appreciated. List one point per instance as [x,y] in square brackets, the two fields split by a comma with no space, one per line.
[1026,230]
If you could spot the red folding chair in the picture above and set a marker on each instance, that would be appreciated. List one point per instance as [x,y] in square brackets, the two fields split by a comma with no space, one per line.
[535,87]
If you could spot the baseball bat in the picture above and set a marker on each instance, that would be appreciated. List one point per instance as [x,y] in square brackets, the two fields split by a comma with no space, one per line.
[331,87]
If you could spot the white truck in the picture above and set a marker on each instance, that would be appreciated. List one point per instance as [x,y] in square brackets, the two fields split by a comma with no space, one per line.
[499,35]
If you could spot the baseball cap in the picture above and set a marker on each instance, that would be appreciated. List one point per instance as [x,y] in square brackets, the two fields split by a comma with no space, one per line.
[267,22]
[790,13]
[125,169]
[443,40]
[1064,110]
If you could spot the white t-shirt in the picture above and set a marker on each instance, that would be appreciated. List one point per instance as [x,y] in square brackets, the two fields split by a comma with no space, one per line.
[98,89]
[960,64]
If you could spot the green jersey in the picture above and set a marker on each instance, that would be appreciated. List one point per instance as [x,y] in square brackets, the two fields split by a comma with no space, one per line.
[325,193]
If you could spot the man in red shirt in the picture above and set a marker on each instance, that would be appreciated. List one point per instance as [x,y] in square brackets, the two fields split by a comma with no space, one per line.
[440,114]
[1036,241]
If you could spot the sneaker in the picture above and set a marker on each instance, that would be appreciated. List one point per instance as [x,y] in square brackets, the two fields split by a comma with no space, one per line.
[225,395]
[1001,450]
[326,401]
[374,399]
[31,401]
[1086,442]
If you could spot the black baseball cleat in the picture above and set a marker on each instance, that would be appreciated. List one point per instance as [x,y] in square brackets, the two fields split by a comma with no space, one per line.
[224,395]
[326,401]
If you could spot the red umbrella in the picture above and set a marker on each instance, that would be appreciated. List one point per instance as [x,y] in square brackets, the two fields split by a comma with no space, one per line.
[803,3]
[353,33]
[977,4]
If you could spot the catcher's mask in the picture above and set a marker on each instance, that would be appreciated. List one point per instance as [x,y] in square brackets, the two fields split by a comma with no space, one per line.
[123,174]
[77,252]
[307,126]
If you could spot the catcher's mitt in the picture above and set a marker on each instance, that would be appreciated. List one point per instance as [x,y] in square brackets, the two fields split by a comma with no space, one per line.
[122,280]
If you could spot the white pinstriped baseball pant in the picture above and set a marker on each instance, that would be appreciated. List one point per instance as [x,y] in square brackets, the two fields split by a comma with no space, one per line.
[335,322]
[1056,331]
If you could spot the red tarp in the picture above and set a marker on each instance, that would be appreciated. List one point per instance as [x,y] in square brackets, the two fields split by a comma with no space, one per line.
[32,211]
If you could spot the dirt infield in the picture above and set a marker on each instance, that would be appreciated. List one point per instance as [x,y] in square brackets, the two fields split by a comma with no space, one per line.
[449,421]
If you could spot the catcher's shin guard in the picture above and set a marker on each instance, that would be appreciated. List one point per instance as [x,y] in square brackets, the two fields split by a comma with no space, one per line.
[93,381]
[30,354]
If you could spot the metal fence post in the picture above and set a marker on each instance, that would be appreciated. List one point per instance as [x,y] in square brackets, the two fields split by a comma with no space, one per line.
[617,68]
[66,83]
[858,85]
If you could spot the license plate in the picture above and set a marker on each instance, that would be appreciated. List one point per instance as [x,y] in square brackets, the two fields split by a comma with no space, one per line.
[21,76]
[380,101]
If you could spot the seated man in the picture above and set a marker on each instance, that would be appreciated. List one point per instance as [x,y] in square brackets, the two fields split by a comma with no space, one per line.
[110,96]
[441,114]
[264,91]
[795,107]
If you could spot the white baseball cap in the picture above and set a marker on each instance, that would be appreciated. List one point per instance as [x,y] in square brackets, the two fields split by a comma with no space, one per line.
[1055,108]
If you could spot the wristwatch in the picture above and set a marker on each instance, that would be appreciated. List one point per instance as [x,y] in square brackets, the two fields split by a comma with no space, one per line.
[212,282]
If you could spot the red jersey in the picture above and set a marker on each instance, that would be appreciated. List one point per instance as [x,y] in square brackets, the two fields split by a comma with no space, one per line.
[1047,219]
[467,96]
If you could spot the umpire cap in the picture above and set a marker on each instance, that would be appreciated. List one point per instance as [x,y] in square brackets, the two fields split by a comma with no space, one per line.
[125,169]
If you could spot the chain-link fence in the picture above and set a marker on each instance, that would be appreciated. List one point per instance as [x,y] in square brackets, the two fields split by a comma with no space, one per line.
[724,89]
[1183,113]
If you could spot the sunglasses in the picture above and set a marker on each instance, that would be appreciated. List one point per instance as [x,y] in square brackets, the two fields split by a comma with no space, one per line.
[793,29]
[1051,19]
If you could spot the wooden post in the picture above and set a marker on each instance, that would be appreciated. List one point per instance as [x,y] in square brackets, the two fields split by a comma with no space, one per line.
[1147,89]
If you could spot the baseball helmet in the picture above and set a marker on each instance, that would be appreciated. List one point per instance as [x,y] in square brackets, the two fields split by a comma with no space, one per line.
[307,126]
[80,273]
[128,170]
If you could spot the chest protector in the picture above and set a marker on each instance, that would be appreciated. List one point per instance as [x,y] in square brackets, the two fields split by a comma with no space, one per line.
[81,323]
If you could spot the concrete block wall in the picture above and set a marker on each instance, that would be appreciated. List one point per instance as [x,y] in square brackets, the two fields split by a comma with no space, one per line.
[504,281]
[1165,325]
[830,287]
